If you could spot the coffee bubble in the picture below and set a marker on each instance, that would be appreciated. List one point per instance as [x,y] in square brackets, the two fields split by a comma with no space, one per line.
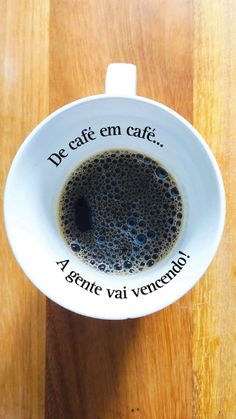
[120,212]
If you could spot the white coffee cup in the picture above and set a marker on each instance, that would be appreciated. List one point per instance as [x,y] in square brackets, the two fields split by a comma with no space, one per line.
[57,146]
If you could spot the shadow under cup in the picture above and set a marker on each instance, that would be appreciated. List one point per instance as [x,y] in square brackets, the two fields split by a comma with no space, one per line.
[55,148]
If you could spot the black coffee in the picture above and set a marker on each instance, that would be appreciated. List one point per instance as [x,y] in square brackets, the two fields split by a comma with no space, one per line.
[120,211]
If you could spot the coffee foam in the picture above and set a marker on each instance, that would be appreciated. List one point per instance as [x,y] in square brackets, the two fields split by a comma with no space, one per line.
[120,212]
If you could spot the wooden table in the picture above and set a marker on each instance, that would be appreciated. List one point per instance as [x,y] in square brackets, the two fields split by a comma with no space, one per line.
[177,363]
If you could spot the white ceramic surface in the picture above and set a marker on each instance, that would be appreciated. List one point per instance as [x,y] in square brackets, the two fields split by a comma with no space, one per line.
[34,184]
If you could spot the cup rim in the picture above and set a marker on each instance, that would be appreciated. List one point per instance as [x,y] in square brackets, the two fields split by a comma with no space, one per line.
[194,132]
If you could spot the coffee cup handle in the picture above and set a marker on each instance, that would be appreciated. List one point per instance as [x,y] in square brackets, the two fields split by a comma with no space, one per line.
[120,79]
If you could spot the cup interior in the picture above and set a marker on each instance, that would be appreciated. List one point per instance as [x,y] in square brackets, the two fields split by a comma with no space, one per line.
[35,183]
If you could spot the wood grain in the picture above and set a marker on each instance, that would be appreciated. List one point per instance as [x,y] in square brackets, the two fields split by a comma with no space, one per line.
[175,364]
[214,321]
[24,102]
